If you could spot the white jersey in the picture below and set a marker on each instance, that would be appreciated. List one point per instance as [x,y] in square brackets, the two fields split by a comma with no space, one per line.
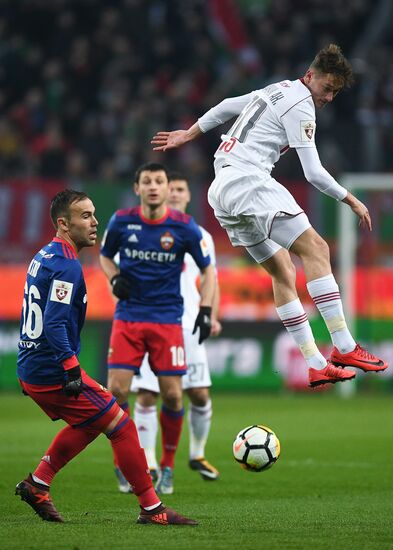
[270,120]
[188,283]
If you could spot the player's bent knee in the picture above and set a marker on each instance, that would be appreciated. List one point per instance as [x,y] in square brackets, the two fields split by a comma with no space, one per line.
[198,396]
[118,389]
[173,399]
[109,419]
[111,426]
[147,398]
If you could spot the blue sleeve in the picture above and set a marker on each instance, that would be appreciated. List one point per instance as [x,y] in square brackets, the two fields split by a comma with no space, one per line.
[58,318]
[196,245]
[111,240]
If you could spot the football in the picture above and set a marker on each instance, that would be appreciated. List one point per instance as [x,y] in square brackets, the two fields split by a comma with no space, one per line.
[256,448]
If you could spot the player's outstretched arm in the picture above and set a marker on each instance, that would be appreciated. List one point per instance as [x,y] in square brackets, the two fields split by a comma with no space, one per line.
[360,210]
[224,111]
[172,140]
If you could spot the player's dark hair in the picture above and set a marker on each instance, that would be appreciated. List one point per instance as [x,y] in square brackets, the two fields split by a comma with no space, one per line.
[177,176]
[331,60]
[60,204]
[151,167]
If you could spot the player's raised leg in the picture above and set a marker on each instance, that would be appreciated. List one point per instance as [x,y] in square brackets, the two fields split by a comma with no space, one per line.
[322,287]
[294,318]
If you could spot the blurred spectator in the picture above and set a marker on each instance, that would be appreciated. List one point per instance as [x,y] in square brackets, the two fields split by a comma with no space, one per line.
[84,85]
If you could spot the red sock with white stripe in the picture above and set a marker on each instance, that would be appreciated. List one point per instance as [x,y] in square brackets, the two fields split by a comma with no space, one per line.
[326,295]
[132,462]
[67,444]
[295,321]
[126,408]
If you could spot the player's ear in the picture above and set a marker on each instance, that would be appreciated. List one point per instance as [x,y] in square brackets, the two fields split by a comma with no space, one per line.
[136,188]
[62,223]
[308,76]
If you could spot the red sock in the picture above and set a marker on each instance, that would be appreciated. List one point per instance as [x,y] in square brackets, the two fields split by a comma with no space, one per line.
[67,444]
[171,425]
[126,408]
[132,461]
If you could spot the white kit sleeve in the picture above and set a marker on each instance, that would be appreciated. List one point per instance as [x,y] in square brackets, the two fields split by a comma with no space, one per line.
[227,109]
[317,175]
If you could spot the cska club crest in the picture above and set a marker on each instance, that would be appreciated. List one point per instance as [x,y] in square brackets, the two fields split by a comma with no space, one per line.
[61,293]
[167,241]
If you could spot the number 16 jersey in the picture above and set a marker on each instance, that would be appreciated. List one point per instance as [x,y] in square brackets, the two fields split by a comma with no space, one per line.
[53,314]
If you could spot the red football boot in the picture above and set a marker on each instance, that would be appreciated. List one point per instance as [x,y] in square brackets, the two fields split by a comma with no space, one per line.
[329,375]
[164,516]
[359,358]
[38,497]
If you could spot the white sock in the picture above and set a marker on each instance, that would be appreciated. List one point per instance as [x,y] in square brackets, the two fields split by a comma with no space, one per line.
[38,480]
[147,425]
[149,508]
[326,295]
[199,420]
[295,321]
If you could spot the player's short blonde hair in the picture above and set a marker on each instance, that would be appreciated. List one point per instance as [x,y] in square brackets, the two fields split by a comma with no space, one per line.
[330,60]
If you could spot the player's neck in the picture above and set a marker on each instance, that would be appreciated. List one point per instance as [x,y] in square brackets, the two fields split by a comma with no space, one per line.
[153,213]
[65,237]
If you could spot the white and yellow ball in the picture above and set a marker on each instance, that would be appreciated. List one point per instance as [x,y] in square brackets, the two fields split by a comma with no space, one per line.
[256,448]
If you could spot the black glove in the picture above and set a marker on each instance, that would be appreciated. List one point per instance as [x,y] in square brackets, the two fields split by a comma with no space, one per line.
[73,385]
[203,322]
[121,287]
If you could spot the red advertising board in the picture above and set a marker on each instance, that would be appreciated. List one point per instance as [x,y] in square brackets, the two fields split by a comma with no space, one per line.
[246,293]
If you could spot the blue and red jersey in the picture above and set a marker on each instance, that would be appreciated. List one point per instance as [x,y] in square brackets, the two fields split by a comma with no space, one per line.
[53,314]
[150,255]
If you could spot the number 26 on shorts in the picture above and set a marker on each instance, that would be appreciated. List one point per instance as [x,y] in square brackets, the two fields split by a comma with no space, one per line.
[228,145]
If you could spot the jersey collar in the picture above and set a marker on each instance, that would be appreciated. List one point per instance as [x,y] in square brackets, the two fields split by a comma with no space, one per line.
[66,244]
[153,222]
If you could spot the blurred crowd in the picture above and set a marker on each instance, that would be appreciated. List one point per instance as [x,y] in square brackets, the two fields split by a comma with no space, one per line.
[85,84]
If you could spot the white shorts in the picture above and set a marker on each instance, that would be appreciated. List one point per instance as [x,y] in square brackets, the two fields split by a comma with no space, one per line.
[248,206]
[283,234]
[197,376]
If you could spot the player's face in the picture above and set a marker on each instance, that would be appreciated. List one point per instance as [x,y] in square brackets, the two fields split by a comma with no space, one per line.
[323,87]
[179,195]
[82,224]
[152,188]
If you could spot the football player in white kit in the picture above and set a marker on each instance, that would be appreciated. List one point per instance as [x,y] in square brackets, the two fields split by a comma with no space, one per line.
[261,215]
[196,382]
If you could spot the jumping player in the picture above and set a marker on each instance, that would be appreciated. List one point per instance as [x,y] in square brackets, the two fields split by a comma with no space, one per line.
[151,241]
[196,381]
[54,308]
[261,215]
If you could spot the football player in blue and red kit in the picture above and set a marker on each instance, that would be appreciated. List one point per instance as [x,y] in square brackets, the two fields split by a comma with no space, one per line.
[53,314]
[151,241]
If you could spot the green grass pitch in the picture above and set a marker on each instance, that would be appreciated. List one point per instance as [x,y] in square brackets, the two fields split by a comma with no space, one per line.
[331,488]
